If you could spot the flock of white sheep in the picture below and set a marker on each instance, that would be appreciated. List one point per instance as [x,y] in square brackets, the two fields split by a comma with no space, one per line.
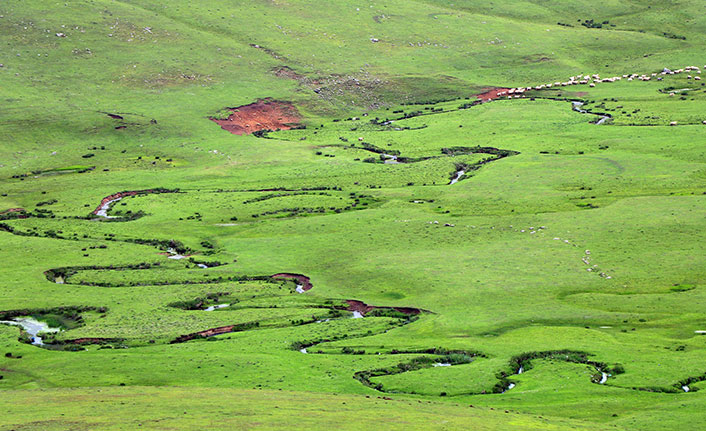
[693,72]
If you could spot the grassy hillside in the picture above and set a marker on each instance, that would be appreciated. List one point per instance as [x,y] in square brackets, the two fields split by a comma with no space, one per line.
[540,253]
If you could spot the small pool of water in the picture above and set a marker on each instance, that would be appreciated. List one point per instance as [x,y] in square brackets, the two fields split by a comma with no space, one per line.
[32,327]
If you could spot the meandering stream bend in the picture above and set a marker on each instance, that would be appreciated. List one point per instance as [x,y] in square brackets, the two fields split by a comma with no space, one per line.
[216,307]
[390,159]
[103,210]
[31,327]
[576,106]
[457,176]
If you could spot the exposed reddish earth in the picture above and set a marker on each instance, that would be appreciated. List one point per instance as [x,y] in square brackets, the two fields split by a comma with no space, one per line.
[265,114]
[491,93]
[303,280]
[363,308]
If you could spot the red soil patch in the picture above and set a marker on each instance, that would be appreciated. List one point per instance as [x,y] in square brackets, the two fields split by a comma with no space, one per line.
[265,114]
[491,93]
[363,308]
[301,279]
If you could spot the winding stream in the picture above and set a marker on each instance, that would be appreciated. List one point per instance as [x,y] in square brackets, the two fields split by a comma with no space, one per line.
[390,159]
[31,327]
[175,255]
[216,307]
[103,210]
[576,106]
[457,177]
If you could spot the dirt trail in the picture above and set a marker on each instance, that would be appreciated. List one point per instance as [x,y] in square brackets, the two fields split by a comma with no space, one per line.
[265,114]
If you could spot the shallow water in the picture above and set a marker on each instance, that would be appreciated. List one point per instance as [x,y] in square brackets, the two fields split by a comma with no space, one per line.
[510,386]
[441,364]
[357,315]
[174,254]
[300,288]
[576,106]
[391,160]
[216,307]
[32,327]
[103,211]
[458,176]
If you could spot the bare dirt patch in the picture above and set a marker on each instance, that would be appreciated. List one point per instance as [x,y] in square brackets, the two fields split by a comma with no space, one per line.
[265,114]
[491,93]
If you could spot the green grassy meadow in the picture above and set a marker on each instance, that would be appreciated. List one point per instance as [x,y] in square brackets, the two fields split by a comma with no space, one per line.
[521,267]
